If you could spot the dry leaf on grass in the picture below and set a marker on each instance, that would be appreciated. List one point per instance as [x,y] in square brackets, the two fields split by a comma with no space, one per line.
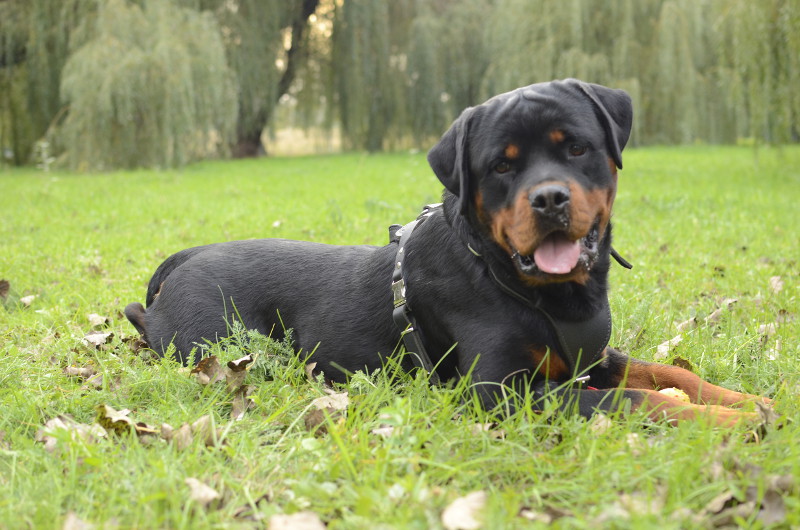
[248,512]
[5,286]
[97,339]
[687,325]
[84,372]
[135,343]
[93,379]
[296,521]
[726,305]
[201,493]
[118,422]
[183,436]
[663,349]
[310,371]
[333,400]
[73,522]
[681,362]
[776,284]
[97,321]
[600,423]
[27,300]
[383,432]
[464,513]
[241,402]
[208,371]
[49,433]
[491,428]
[237,371]
[314,420]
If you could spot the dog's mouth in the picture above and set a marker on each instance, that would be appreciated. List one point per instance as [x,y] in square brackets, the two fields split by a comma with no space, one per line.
[559,255]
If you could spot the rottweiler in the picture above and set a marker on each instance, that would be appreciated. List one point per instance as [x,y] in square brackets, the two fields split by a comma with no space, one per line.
[505,280]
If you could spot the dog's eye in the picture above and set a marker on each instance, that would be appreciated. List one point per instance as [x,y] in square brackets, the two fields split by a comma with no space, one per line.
[577,149]
[502,167]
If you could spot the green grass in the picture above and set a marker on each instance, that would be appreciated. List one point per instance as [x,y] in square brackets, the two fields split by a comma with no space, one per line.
[699,224]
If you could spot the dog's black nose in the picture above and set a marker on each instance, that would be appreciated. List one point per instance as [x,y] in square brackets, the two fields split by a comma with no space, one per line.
[551,200]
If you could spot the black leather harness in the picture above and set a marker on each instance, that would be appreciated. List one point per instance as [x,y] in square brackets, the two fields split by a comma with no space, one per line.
[580,343]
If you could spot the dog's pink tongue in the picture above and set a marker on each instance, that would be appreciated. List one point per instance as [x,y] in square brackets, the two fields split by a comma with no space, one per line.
[557,254]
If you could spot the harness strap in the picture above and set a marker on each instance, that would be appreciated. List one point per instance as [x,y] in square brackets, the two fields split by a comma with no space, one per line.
[402,315]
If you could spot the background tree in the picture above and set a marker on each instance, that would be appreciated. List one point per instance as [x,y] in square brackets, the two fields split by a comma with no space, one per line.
[387,74]
[149,87]
[266,42]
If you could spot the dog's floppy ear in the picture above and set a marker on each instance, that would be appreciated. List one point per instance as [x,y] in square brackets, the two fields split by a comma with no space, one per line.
[449,159]
[615,110]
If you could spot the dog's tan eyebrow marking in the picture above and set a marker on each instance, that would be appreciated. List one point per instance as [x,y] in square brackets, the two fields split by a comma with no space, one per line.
[512,151]
[556,136]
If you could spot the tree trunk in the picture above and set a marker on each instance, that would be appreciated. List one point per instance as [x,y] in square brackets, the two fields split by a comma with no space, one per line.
[248,142]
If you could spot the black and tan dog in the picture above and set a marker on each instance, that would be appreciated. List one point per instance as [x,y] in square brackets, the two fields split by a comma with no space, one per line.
[509,275]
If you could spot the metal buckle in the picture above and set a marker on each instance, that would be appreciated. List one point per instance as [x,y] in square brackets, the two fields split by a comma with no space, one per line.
[399,291]
[582,379]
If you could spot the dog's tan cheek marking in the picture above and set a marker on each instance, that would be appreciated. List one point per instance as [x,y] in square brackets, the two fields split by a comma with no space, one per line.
[517,223]
[512,151]
[588,206]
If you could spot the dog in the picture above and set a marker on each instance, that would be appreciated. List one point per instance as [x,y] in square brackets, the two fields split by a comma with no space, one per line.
[506,280]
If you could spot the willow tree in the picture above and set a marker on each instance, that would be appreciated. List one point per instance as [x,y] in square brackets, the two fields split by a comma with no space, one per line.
[759,49]
[150,86]
[266,42]
[369,70]
[34,45]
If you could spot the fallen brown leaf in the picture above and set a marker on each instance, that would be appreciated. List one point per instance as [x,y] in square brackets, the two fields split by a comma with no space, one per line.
[726,305]
[5,286]
[201,493]
[296,521]
[208,371]
[135,343]
[776,284]
[248,512]
[237,371]
[383,432]
[663,349]
[48,434]
[687,324]
[314,420]
[600,423]
[112,420]
[182,438]
[73,522]
[334,400]
[310,371]
[97,338]
[84,372]
[97,321]
[204,429]
[682,363]
[464,512]
[27,300]
[241,402]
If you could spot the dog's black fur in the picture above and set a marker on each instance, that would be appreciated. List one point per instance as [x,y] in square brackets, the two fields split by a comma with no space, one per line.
[528,168]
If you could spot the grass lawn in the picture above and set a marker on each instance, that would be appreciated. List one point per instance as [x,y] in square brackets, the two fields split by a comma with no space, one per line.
[702,226]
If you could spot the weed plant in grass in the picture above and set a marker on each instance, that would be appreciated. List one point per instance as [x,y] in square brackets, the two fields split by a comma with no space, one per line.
[702,226]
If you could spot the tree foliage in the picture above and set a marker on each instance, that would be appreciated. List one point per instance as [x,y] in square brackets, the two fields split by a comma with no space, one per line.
[105,76]
[150,86]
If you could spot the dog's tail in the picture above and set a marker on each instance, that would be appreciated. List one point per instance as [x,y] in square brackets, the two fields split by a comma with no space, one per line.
[135,313]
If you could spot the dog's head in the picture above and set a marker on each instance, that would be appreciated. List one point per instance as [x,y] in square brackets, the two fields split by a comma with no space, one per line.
[537,169]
